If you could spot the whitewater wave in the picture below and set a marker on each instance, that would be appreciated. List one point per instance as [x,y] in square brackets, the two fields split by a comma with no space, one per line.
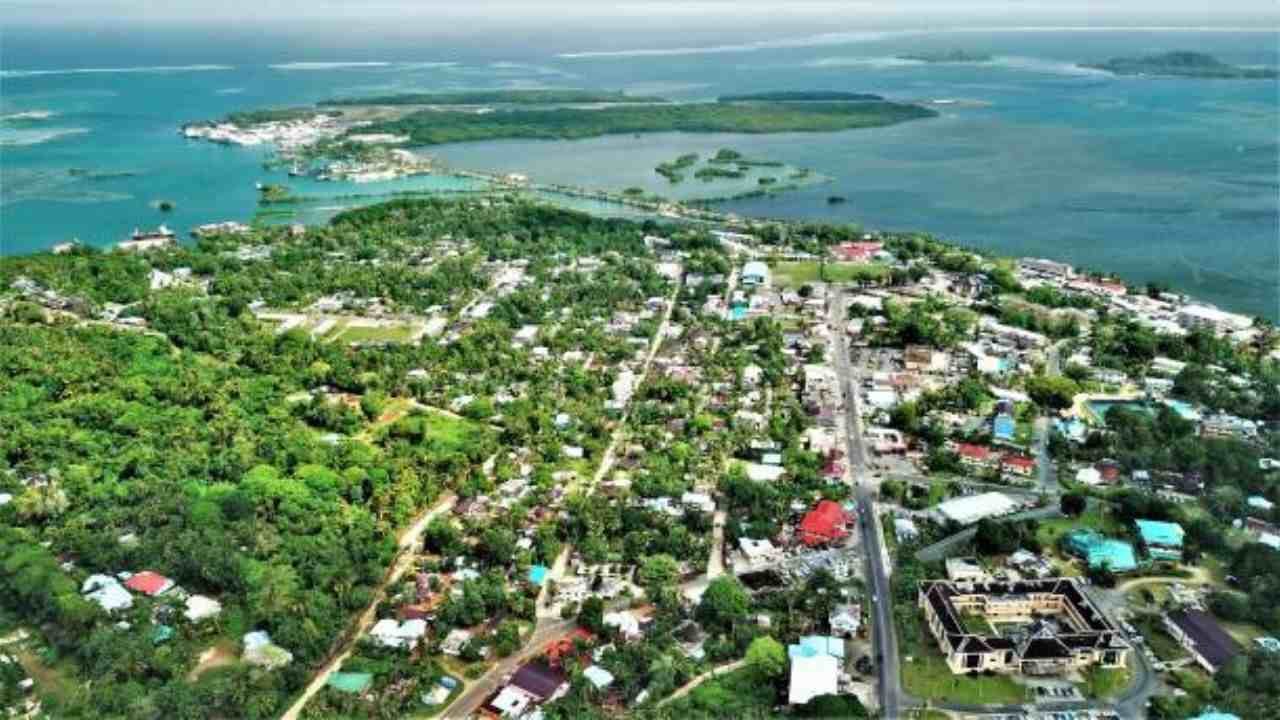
[228,91]
[874,62]
[22,138]
[327,65]
[849,38]
[28,115]
[841,38]
[93,71]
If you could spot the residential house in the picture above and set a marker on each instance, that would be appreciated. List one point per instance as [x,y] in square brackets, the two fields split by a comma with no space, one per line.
[826,523]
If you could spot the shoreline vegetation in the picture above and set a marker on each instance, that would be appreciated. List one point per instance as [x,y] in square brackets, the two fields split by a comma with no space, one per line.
[430,127]
[954,56]
[496,97]
[1184,64]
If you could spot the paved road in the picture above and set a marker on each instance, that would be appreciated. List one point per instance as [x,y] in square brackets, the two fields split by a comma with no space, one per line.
[940,549]
[1044,464]
[883,634]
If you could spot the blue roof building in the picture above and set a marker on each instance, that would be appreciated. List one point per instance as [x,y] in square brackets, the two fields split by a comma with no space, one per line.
[537,574]
[1099,551]
[1163,540]
[1211,713]
[1003,427]
[815,646]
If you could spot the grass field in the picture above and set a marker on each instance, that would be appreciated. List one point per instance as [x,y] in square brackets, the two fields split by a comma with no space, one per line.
[1095,518]
[1102,683]
[391,333]
[928,677]
[795,274]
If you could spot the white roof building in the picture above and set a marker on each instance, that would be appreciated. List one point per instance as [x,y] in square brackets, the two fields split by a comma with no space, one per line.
[392,634]
[757,550]
[972,508]
[598,676]
[1089,476]
[512,702]
[200,607]
[813,676]
[107,592]
[626,622]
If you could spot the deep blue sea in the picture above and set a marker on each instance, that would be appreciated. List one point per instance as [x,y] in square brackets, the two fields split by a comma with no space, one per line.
[1167,180]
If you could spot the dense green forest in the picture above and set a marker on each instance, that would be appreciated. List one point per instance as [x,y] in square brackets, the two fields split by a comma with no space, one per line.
[433,128]
[209,449]
[497,97]
[801,96]
[1182,63]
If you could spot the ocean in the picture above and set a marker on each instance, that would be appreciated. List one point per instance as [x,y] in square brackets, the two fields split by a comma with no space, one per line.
[1161,180]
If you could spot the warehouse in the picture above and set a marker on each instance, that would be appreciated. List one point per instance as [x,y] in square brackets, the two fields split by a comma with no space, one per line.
[972,508]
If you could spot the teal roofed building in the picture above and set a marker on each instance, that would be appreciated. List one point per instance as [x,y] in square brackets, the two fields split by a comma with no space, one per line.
[1215,714]
[817,646]
[1099,551]
[1162,540]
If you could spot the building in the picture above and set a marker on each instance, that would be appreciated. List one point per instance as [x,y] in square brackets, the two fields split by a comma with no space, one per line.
[1020,465]
[825,523]
[812,677]
[965,569]
[972,508]
[1192,317]
[1079,635]
[845,620]
[1203,637]
[976,456]
[1099,551]
[1162,540]
[1004,427]
[755,273]
[1046,268]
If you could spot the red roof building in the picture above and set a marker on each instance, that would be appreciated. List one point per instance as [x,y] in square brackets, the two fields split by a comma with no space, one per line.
[823,524]
[856,251]
[1019,464]
[974,454]
[148,583]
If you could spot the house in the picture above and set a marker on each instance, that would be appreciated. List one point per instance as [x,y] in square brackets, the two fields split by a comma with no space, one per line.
[107,592]
[1003,427]
[815,646]
[1201,635]
[392,634]
[699,501]
[626,623]
[757,551]
[598,676]
[975,456]
[260,651]
[812,677]
[858,252]
[1030,564]
[824,524]
[540,681]
[1018,465]
[1163,540]
[904,529]
[200,608]
[755,273]
[1257,502]
[149,583]
[845,620]
[454,641]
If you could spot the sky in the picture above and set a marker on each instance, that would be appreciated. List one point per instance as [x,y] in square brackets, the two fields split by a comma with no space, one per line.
[435,15]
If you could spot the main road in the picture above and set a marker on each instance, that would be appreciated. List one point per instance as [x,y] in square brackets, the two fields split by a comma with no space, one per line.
[883,634]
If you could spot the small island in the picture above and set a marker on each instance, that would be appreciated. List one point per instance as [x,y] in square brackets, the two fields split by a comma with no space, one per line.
[1185,64]
[954,56]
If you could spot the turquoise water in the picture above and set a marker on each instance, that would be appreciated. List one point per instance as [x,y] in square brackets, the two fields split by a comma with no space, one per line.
[738,313]
[1164,180]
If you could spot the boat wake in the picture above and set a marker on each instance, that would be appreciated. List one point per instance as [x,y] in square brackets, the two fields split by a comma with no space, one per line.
[23,138]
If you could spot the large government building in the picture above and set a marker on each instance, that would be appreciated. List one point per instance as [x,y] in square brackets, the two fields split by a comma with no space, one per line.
[1036,627]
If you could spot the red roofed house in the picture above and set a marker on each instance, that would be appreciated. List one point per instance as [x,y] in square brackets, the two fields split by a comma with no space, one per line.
[557,650]
[831,466]
[823,524]
[1018,465]
[856,251]
[149,583]
[975,455]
